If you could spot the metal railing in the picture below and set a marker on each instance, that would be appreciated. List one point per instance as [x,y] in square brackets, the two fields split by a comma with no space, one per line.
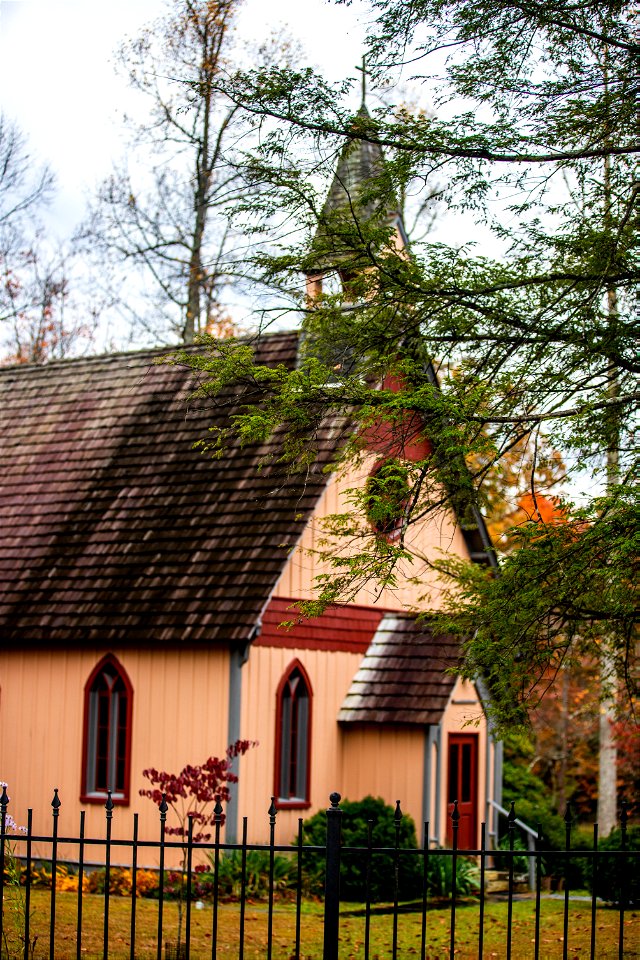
[333,857]
[531,835]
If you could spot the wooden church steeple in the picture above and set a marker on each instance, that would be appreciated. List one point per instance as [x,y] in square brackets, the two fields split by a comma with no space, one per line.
[357,196]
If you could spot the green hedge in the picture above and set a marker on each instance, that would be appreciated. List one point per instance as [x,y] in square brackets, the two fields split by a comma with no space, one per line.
[611,870]
[353,866]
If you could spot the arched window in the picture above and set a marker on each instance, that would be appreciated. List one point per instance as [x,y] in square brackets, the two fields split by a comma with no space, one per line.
[387,494]
[108,701]
[293,737]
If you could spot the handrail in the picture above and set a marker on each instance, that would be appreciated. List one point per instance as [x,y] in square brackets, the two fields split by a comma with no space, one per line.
[532,836]
[524,826]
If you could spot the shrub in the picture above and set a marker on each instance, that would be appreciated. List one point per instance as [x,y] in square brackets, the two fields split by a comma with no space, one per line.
[440,875]
[121,882]
[256,874]
[40,875]
[147,883]
[353,871]
[609,869]
[68,879]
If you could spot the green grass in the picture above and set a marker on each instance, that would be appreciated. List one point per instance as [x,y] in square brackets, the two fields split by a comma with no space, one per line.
[351,930]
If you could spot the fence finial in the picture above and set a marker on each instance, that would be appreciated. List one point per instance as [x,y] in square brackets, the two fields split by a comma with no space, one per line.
[624,814]
[398,812]
[568,819]
[164,806]
[455,813]
[511,818]
[218,810]
[56,803]
[4,803]
[109,805]
[335,799]
[272,811]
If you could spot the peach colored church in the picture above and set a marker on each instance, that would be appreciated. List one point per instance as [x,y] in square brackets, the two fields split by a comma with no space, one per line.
[142,588]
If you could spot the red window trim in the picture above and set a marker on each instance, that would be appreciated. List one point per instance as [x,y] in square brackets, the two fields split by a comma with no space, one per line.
[296,803]
[101,796]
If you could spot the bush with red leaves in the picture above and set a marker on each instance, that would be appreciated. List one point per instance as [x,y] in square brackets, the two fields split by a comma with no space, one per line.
[192,792]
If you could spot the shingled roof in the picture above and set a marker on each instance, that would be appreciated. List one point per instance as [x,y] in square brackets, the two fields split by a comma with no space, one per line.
[114,530]
[402,677]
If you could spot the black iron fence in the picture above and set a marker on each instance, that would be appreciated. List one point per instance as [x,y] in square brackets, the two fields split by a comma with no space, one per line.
[296,923]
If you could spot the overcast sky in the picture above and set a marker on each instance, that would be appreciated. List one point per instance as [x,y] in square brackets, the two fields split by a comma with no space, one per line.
[58,81]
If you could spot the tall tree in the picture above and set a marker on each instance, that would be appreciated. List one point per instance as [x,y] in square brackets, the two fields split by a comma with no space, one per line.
[24,185]
[492,348]
[38,283]
[163,211]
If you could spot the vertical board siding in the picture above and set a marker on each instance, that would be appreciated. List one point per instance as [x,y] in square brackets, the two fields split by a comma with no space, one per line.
[330,675]
[425,540]
[180,712]
[385,762]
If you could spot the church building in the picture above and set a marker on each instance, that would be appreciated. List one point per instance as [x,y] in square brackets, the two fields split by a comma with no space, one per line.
[143,588]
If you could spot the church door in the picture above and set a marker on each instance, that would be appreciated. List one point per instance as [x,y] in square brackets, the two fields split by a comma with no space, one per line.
[462,785]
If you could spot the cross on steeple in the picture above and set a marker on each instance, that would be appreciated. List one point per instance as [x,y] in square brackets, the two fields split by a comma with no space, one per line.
[363,71]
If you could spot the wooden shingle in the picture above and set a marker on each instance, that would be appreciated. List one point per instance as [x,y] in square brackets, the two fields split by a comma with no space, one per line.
[114,529]
[403,677]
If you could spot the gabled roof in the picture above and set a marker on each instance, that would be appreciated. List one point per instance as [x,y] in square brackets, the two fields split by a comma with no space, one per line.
[114,530]
[402,677]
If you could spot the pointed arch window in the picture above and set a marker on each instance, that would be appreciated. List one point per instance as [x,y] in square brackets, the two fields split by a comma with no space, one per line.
[293,737]
[387,495]
[108,703]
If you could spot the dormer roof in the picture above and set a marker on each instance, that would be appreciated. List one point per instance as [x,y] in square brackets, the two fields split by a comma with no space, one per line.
[406,675]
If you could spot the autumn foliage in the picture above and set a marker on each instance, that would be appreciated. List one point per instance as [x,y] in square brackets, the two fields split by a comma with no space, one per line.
[192,792]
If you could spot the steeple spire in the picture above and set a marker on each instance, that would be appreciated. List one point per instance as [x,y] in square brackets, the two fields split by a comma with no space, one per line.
[350,198]
[363,70]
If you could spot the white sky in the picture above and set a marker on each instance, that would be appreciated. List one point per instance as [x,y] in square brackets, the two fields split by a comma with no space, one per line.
[58,82]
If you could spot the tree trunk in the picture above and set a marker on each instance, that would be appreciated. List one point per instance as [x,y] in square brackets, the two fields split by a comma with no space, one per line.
[608,756]
[607,771]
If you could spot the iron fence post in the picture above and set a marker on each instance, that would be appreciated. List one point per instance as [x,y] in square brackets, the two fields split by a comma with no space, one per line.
[163,808]
[332,880]
[4,803]
[623,865]
[567,878]
[397,820]
[455,825]
[55,805]
[108,812]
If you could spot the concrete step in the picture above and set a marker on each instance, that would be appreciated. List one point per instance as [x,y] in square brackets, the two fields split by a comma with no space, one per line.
[497,881]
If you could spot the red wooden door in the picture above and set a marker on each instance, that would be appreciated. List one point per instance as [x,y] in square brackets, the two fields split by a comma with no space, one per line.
[462,785]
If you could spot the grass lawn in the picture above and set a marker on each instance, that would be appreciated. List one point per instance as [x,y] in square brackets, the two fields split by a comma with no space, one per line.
[351,930]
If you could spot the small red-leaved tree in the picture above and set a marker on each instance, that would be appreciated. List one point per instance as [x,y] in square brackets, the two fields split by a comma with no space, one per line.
[192,795]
